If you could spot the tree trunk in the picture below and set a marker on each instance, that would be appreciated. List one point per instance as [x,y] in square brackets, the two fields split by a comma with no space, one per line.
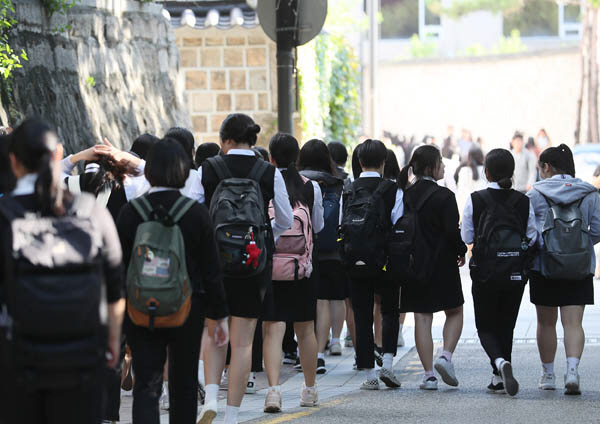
[593,84]
[584,63]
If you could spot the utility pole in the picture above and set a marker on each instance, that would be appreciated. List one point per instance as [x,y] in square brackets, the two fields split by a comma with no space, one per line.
[287,27]
[373,12]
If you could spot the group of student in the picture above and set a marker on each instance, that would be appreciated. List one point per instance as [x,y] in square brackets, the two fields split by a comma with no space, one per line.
[187,255]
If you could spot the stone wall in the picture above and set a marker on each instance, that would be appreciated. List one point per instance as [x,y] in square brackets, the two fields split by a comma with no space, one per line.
[112,74]
[227,71]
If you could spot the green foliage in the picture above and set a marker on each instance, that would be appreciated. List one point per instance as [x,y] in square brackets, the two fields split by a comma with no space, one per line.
[506,45]
[90,81]
[9,59]
[422,48]
[60,6]
[400,19]
[536,18]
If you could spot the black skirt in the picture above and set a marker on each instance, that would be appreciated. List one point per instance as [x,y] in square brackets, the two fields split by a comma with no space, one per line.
[333,281]
[246,297]
[544,292]
[291,301]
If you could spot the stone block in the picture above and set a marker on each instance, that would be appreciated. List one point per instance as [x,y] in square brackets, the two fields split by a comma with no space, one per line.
[263,101]
[29,13]
[214,41]
[258,80]
[218,81]
[189,58]
[237,80]
[190,41]
[244,101]
[97,27]
[163,60]
[236,41]
[199,123]
[215,122]
[223,102]
[195,80]
[256,56]
[81,28]
[257,40]
[234,56]
[112,30]
[211,58]
[66,58]
[202,102]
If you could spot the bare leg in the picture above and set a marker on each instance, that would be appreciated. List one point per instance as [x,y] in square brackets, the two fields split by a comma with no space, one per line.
[307,344]
[338,314]
[402,318]
[377,321]
[350,320]
[424,340]
[323,323]
[241,331]
[571,318]
[546,332]
[214,359]
[273,333]
[453,328]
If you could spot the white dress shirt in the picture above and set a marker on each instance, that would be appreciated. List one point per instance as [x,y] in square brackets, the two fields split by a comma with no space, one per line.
[467,230]
[25,185]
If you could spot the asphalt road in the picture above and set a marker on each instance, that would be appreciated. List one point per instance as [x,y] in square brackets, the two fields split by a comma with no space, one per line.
[470,403]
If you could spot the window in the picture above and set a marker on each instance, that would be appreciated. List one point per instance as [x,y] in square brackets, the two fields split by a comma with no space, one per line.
[536,18]
[400,18]
[569,20]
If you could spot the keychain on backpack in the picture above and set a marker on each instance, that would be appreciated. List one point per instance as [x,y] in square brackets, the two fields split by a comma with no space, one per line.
[252,250]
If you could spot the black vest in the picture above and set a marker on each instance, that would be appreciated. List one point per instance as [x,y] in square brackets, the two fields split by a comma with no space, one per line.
[500,196]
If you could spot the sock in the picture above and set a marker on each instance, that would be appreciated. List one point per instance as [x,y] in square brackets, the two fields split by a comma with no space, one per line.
[212,391]
[275,388]
[201,372]
[231,414]
[252,376]
[388,361]
[496,379]
[448,355]
[334,341]
[429,374]
[166,388]
[498,362]
[321,356]
[370,374]
[572,364]
[548,368]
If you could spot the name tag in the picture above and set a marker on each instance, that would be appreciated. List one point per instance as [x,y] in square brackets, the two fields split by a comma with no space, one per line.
[508,254]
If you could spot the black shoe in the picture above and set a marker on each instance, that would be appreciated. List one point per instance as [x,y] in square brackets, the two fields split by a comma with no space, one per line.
[127,384]
[321,366]
[378,359]
[290,358]
[496,388]
[201,393]
[510,383]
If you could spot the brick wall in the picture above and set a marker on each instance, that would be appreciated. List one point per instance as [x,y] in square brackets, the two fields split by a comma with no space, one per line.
[228,71]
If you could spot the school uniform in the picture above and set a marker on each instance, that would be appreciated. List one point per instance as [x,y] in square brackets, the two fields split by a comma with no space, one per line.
[497,303]
[245,297]
[439,220]
[362,290]
[149,347]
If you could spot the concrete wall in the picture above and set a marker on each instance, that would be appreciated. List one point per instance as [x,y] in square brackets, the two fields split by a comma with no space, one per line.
[129,50]
[491,96]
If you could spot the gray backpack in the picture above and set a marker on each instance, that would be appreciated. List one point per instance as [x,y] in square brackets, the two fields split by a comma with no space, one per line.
[238,213]
[566,254]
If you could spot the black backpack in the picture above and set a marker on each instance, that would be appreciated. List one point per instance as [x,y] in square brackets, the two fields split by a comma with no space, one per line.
[241,225]
[364,230]
[501,248]
[411,257]
[53,291]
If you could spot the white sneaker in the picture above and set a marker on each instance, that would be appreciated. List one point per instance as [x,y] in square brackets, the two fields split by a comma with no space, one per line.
[251,385]
[309,397]
[273,401]
[164,398]
[370,385]
[209,413]
[572,383]
[389,378]
[445,369]
[335,349]
[348,341]
[547,382]
[430,384]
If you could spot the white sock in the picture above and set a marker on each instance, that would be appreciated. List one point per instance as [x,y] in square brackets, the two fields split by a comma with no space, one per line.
[201,372]
[388,361]
[496,379]
[448,355]
[334,341]
[548,368]
[231,414]
[212,391]
[572,364]
[275,388]
[166,388]
[252,376]
[321,356]
[370,374]
[498,362]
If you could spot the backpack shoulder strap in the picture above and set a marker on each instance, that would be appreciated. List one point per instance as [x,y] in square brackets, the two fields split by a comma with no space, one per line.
[426,197]
[258,170]
[143,207]
[487,198]
[220,167]
[180,208]
[103,197]
[73,184]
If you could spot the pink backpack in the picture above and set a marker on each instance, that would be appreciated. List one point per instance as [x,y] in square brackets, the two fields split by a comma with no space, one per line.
[292,260]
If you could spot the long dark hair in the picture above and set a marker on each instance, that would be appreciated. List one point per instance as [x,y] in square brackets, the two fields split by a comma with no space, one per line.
[392,169]
[7,178]
[284,151]
[34,143]
[560,158]
[423,162]
[500,167]
[240,128]
[186,139]
[356,168]
[109,175]
[475,159]
[315,156]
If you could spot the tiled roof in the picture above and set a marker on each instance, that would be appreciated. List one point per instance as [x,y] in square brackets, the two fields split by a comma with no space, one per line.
[207,14]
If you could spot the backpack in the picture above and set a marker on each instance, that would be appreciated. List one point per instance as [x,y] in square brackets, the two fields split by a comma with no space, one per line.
[292,260]
[501,247]
[364,230]
[566,254]
[238,212]
[73,184]
[158,285]
[411,257]
[326,240]
[53,292]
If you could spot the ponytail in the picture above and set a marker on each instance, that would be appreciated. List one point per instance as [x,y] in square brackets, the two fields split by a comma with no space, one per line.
[284,150]
[560,159]
[500,166]
[423,162]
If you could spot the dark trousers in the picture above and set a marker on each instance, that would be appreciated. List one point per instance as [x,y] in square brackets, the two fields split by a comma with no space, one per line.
[149,353]
[112,388]
[289,345]
[496,310]
[362,293]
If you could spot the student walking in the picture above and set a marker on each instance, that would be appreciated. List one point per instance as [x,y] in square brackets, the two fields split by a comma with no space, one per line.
[315,163]
[525,169]
[294,291]
[370,206]
[567,212]
[56,318]
[442,291]
[500,223]
[247,258]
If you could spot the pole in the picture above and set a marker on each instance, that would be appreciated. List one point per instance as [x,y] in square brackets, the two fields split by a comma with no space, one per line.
[286,18]
[373,39]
